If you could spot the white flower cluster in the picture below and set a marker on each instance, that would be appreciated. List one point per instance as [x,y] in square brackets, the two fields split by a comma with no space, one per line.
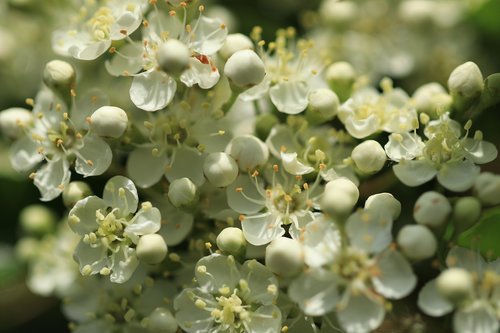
[267,150]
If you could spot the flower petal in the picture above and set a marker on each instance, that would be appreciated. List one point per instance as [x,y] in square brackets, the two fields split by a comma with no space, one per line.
[94,158]
[82,217]
[480,151]
[144,168]
[24,155]
[52,178]
[205,75]
[321,241]
[259,278]
[414,173]
[243,195]
[209,36]
[396,279]
[152,91]
[290,97]
[191,318]
[217,271]
[293,166]
[458,176]
[266,319]
[127,200]
[95,257]
[146,221]
[186,162]
[361,314]
[125,264]
[130,64]
[431,302]
[479,318]
[263,228]
[369,230]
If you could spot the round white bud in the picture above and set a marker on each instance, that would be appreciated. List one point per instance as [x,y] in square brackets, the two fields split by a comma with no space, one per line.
[151,249]
[337,12]
[432,209]
[417,242]
[232,241]
[430,98]
[37,219]
[182,192]
[369,156]
[220,169]
[173,56]
[245,69]
[248,151]
[59,75]
[465,84]
[161,320]
[285,257]
[416,11]
[323,105]
[109,121]
[466,212]
[384,202]
[487,188]
[234,43]
[341,76]
[339,197]
[74,192]
[13,120]
[455,284]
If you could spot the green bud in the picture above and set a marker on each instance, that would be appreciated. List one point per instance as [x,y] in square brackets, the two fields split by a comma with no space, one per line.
[341,76]
[466,212]
[37,219]
[487,188]
[232,241]
[323,106]
[151,249]
[264,123]
[74,192]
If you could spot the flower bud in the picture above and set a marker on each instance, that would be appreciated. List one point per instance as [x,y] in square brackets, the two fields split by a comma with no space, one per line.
[173,56]
[161,320]
[417,242]
[384,202]
[369,156]
[109,121]
[432,99]
[13,120]
[487,188]
[220,169]
[151,249]
[465,84]
[248,151]
[336,12]
[245,69]
[59,76]
[182,192]
[341,76]
[232,241]
[455,284]
[339,197]
[27,248]
[234,43]
[323,106]
[432,209]
[285,257]
[466,212]
[75,191]
[37,219]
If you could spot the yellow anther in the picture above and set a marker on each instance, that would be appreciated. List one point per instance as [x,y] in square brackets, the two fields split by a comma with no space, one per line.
[29,101]
[105,271]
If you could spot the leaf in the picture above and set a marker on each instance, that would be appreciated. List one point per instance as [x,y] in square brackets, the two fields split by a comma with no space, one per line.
[484,235]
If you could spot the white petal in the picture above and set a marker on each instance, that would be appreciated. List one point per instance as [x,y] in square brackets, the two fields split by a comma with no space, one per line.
[125,264]
[95,257]
[188,163]
[259,278]
[361,128]
[263,228]
[480,318]
[191,318]
[127,202]
[293,166]
[458,176]
[249,200]
[315,292]
[218,271]
[409,148]
[467,259]
[94,157]
[52,178]
[480,151]
[176,224]
[127,21]
[369,230]
[431,302]
[85,212]
[209,36]
[130,64]
[256,92]
[86,104]
[144,168]
[290,97]
[300,219]
[266,319]
[152,91]
[414,173]
[146,221]
[204,75]
[396,279]
[321,241]
[24,155]
[361,315]
[281,137]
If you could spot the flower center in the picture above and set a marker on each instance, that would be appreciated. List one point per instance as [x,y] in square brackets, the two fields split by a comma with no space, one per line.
[101,23]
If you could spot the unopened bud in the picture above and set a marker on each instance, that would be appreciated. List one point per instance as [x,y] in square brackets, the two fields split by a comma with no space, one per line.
[285,257]
[369,156]
[341,76]
[466,212]
[455,284]
[487,188]
[232,241]
[74,192]
[432,209]
[465,85]
[339,197]
[173,56]
[59,76]
[384,202]
[37,219]
[182,192]
[234,43]
[13,120]
[161,320]
[323,106]
[109,121]
[417,242]
[151,249]
[220,169]
[245,69]
[248,151]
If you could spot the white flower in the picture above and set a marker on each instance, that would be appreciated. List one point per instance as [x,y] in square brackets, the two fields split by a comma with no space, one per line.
[111,229]
[230,298]
[290,67]
[98,26]
[478,312]
[59,137]
[444,154]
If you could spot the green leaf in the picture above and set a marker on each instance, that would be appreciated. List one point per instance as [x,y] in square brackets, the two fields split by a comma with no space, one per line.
[484,235]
